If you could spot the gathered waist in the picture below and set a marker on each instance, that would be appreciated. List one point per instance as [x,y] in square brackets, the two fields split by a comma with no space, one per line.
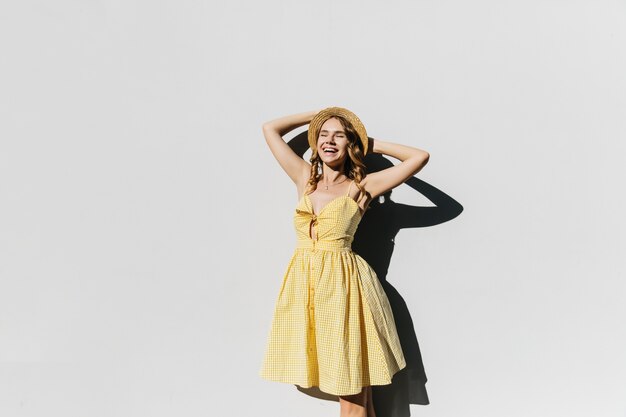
[330,245]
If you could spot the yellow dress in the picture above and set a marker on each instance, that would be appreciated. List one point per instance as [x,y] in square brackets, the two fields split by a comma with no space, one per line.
[332,326]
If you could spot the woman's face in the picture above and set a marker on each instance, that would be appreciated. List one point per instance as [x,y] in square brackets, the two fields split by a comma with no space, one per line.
[332,142]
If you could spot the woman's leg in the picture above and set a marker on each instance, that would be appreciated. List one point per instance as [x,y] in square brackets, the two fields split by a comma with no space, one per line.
[357,405]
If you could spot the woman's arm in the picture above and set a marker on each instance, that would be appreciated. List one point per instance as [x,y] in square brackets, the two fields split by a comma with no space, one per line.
[413,160]
[297,168]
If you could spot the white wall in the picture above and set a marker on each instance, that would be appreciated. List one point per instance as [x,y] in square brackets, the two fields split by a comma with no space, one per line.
[145,226]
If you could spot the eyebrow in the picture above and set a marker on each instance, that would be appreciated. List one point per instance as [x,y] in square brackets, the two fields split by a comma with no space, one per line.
[338,131]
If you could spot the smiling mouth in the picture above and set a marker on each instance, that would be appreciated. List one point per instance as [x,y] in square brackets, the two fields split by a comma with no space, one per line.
[329,151]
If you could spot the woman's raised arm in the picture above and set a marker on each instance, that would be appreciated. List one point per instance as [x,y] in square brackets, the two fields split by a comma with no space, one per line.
[296,167]
[413,160]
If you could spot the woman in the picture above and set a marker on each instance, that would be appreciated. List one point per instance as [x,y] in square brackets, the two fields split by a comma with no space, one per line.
[333,328]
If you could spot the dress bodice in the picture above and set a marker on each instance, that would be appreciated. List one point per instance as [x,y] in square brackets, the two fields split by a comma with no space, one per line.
[335,224]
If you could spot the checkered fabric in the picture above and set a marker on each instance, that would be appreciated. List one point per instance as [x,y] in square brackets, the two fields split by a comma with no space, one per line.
[332,326]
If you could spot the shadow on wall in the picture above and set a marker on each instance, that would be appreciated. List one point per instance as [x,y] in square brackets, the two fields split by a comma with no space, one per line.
[374,242]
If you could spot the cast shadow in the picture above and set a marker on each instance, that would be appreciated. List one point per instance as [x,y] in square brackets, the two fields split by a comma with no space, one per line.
[374,242]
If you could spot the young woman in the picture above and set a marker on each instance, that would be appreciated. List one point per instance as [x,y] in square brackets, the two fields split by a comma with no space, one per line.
[333,328]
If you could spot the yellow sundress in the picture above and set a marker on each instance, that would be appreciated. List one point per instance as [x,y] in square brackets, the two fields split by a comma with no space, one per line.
[332,327]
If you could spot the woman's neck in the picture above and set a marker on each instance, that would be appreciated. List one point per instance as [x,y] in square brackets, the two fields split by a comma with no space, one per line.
[333,175]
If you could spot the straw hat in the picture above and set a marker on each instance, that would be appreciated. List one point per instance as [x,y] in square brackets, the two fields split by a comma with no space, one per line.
[318,120]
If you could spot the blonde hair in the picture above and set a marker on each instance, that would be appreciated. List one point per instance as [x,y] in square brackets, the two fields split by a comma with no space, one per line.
[354,167]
